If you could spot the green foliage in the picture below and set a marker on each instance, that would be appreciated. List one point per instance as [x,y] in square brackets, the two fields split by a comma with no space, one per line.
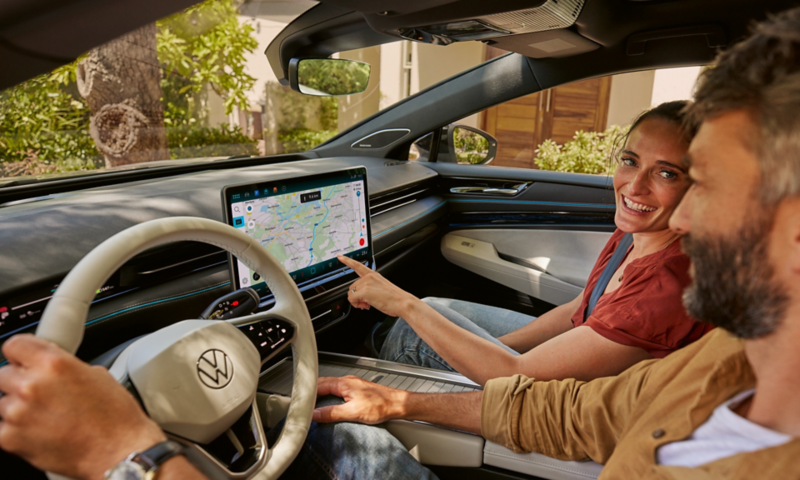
[303,139]
[224,141]
[296,129]
[204,45]
[44,122]
[32,165]
[334,77]
[41,119]
[587,152]
[329,113]
[470,146]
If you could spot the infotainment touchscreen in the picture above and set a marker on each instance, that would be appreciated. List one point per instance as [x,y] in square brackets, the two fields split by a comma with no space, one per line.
[305,223]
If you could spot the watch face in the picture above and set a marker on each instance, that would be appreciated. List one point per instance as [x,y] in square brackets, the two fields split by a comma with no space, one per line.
[127,470]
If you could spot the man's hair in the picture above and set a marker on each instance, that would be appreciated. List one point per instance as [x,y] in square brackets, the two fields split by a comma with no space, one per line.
[762,76]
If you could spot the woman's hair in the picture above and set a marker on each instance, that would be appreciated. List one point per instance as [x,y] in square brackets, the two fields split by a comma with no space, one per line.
[673,112]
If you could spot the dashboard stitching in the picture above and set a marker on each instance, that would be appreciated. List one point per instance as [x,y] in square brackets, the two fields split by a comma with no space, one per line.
[151,303]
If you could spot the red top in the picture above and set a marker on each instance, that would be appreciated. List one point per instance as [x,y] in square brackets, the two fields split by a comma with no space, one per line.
[646,311]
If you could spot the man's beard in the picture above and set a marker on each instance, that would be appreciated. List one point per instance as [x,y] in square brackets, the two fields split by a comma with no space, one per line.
[734,283]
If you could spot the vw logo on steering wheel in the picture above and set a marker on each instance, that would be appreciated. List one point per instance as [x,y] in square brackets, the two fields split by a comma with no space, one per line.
[215,368]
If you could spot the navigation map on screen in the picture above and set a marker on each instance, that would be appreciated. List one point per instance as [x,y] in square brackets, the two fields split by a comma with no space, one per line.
[305,225]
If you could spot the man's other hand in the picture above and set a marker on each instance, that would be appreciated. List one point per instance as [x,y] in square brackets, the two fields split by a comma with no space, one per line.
[365,402]
[64,416]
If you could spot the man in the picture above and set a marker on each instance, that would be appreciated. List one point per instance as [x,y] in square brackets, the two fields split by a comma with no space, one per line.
[696,408]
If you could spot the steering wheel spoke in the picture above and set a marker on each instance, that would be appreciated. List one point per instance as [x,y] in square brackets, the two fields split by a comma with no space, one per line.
[269,331]
[239,453]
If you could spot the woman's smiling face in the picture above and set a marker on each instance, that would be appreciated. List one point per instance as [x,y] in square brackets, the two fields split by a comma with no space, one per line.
[650,179]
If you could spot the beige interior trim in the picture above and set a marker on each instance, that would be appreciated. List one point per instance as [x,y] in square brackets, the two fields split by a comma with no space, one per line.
[438,446]
[539,465]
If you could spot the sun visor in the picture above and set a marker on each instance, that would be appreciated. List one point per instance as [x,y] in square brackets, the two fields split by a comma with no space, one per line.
[550,44]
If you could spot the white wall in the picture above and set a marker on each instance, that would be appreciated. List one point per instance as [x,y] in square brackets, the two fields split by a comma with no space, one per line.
[391,74]
[631,94]
[674,84]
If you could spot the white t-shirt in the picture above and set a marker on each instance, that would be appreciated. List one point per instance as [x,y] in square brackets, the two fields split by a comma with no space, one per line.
[724,434]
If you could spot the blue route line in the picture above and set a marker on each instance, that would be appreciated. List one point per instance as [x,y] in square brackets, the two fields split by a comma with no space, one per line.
[314,230]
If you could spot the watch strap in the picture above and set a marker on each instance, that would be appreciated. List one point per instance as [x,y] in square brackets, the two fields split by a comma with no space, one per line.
[153,457]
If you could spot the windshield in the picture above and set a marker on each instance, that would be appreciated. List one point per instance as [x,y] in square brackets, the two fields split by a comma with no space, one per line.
[196,85]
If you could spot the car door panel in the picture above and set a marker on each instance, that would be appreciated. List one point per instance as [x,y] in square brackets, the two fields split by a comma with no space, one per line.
[551,265]
[535,232]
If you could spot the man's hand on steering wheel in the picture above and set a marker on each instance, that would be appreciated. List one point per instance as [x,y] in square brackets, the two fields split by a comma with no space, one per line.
[64,416]
[67,417]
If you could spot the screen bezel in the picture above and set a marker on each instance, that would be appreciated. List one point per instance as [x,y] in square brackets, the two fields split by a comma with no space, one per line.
[227,204]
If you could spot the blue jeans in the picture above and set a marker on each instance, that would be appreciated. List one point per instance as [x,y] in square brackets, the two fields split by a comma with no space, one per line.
[355,451]
[340,451]
[403,345]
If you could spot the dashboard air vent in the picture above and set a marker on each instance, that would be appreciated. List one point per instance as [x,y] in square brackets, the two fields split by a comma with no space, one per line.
[399,198]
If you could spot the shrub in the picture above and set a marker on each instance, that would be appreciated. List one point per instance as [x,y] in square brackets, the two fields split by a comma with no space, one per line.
[303,139]
[223,141]
[41,122]
[32,165]
[587,152]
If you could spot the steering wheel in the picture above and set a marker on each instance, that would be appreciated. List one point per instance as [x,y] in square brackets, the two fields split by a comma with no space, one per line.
[197,378]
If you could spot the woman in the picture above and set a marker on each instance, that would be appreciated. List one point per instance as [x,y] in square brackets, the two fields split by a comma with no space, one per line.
[638,316]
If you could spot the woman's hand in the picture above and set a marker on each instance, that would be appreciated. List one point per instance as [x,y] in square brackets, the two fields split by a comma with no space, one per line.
[372,290]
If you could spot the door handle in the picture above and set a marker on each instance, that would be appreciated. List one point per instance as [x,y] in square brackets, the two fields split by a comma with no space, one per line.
[487,190]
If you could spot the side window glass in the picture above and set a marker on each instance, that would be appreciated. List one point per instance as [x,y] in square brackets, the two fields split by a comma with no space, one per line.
[572,128]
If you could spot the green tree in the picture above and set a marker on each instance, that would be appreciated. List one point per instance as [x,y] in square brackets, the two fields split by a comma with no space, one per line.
[44,122]
[44,128]
[204,45]
[296,112]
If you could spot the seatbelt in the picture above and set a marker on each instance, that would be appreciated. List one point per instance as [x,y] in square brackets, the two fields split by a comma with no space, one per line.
[613,264]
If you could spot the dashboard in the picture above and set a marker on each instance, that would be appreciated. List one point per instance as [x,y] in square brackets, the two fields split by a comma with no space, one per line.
[43,238]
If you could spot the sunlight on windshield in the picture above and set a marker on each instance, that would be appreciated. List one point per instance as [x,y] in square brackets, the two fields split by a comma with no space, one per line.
[196,85]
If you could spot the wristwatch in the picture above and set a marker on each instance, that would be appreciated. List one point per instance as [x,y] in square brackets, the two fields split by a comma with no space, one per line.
[143,465]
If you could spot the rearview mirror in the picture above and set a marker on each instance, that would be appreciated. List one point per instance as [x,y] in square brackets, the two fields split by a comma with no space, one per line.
[326,77]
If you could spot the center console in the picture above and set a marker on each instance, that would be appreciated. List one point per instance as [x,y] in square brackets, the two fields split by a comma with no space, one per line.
[429,444]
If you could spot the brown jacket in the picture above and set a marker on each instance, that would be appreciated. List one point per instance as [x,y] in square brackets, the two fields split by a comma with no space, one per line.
[621,421]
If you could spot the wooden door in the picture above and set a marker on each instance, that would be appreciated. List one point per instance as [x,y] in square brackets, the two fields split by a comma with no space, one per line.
[522,124]
[515,124]
[576,106]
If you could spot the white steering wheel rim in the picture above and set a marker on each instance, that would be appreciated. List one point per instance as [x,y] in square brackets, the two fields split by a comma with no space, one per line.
[65,315]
